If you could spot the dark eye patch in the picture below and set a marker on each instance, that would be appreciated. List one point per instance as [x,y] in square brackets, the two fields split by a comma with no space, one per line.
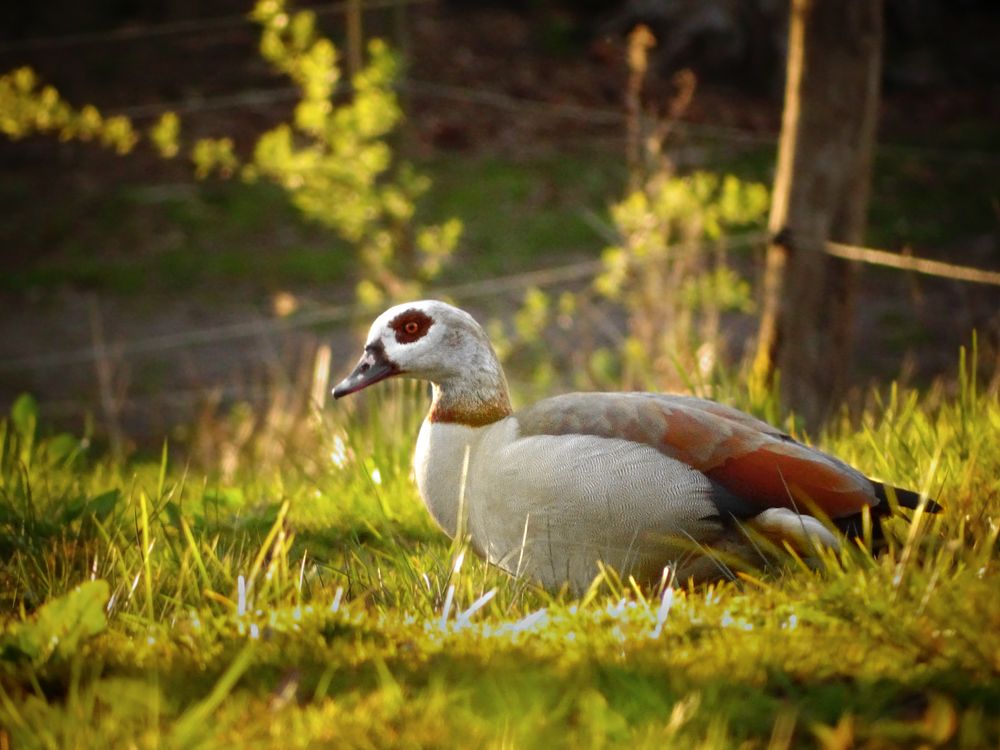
[411,325]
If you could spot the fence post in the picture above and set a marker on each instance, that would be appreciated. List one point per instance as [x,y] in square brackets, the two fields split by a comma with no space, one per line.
[821,191]
[355,39]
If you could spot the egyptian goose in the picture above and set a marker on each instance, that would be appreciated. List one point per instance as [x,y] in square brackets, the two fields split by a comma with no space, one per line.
[634,481]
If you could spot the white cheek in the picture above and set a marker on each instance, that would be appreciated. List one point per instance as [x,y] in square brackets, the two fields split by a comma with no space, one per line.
[402,353]
[420,358]
[394,351]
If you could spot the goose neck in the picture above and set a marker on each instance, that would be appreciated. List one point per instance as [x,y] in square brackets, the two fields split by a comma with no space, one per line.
[474,401]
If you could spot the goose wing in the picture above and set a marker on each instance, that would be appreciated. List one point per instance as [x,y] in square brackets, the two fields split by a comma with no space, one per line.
[758,465]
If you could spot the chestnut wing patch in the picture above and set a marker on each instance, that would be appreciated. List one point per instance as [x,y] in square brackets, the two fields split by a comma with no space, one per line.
[411,325]
[751,459]
[794,476]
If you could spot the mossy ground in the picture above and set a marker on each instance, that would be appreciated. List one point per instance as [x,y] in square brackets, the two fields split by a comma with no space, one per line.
[310,602]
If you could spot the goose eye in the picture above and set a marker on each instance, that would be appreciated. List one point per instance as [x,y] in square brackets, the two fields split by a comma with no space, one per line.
[411,325]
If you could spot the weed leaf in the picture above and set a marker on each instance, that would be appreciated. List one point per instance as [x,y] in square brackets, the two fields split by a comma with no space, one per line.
[24,415]
[59,626]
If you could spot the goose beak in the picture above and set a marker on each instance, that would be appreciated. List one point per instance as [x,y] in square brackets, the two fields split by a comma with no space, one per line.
[373,367]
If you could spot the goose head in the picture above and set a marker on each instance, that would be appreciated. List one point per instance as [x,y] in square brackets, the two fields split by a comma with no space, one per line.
[434,341]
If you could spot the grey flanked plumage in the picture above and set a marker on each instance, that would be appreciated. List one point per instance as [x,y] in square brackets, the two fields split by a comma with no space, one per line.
[634,481]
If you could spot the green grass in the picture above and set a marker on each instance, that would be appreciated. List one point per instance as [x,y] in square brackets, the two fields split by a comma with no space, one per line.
[132,240]
[303,598]
[518,214]
[524,213]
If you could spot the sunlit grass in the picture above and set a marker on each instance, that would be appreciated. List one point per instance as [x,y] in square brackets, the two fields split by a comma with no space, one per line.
[313,603]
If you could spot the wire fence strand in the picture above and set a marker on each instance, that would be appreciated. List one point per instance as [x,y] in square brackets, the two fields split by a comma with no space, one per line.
[910,263]
[546,277]
[179,28]
[581,113]
[351,313]
[525,106]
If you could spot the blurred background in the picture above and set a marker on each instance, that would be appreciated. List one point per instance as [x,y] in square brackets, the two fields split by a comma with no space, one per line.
[202,214]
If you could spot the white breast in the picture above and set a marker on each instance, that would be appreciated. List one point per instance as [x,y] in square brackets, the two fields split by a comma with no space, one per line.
[552,507]
[438,467]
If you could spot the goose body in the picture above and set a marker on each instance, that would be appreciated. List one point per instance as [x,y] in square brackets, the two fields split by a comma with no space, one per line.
[634,481]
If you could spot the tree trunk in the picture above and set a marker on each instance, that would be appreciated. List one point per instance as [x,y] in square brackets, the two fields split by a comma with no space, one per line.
[821,192]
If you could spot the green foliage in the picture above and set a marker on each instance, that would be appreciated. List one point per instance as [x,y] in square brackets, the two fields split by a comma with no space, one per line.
[214,156]
[311,602]
[672,282]
[335,162]
[333,158]
[668,270]
[670,277]
[59,626]
[26,109]
[165,135]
